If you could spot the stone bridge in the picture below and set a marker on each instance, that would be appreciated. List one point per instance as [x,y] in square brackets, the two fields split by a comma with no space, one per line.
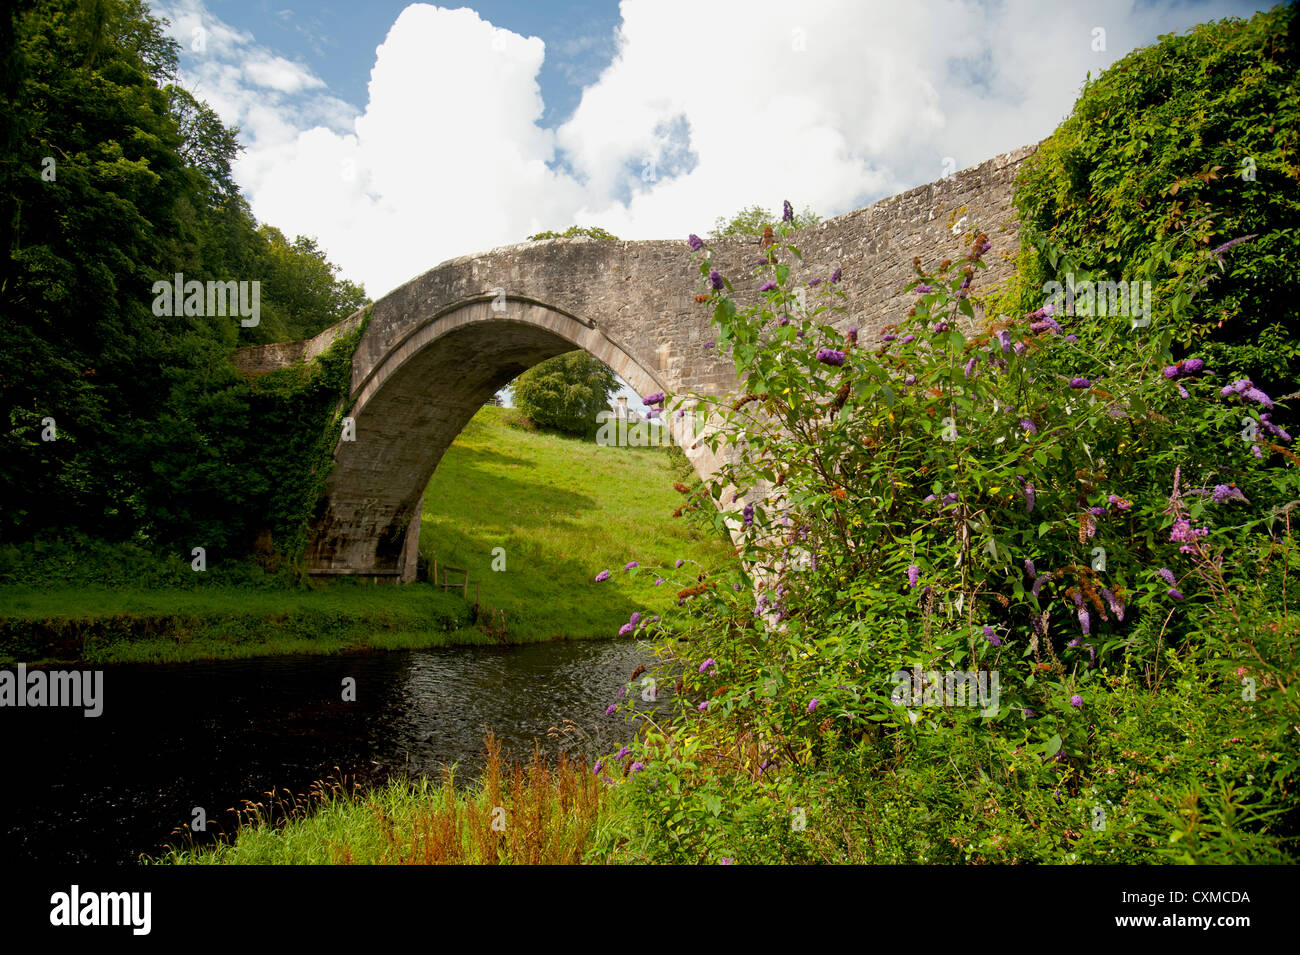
[437,348]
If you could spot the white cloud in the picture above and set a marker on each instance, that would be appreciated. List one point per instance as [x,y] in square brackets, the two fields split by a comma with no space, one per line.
[829,104]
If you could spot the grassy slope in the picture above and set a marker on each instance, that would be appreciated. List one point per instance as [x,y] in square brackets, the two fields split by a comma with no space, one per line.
[563,509]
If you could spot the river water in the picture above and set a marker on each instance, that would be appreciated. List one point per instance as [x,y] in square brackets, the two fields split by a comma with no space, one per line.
[174,737]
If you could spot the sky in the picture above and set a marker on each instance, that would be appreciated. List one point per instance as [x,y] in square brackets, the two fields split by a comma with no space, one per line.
[400,135]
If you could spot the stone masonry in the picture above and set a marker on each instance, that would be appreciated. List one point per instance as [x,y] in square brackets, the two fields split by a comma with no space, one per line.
[440,346]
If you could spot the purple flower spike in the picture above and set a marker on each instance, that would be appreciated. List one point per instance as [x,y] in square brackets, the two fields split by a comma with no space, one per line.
[1004,339]
[621,753]
[679,563]
[595,770]
[1080,383]
[708,664]
[1019,348]
[924,289]
[787,211]
[703,706]
[991,636]
[907,339]
[913,575]
[812,705]
[1176,593]
[631,564]
[1029,426]
[970,367]
[767,286]
[695,242]
[627,628]
[656,399]
[1076,701]
[602,576]
[1168,575]
[830,356]
[611,709]
[715,279]
[659,581]
[636,768]
[1227,492]
[837,275]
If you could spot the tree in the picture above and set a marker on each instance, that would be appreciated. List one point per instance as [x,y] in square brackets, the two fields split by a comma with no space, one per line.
[753,220]
[566,392]
[575,231]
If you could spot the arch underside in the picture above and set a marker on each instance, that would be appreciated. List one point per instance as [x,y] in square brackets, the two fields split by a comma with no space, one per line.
[411,407]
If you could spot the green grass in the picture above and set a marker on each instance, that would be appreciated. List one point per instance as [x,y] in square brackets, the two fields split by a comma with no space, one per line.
[562,508]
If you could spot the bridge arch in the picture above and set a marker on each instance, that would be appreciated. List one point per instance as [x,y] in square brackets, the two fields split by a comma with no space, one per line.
[410,404]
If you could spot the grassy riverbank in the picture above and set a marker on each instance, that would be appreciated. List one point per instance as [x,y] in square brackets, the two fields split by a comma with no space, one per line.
[562,509]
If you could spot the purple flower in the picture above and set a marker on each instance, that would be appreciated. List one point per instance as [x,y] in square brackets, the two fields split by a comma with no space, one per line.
[1027,713]
[631,564]
[829,356]
[767,286]
[1227,492]
[634,619]
[715,280]
[1019,348]
[970,367]
[1076,701]
[652,414]
[939,326]
[703,706]
[627,628]
[787,212]
[1171,371]
[1266,419]
[656,399]
[1193,366]
[1085,621]
[1231,242]
[679,563]
[725,861]
[602,576]
[813,283]
[1046,325]
[1254,449]
[910,380]
[636,768]
[612,708]
[907,339]
[1257,396]
[1029,568]
[659,581]
[924,289]
[783,321]
[1038,583]
[1176,593]
[853,334]
[749,521]
[1071,338]
[622,752]
[1119,502]
[595,770]
[1168,575]
[708,664]
[1182,392]
[812,705]
[708,345]
[1029,426]
[695,242]
[1080,383]
[1097,511]
[889,337]
[991,636]
[837,275]
[1116,605]
[1004,339]
[1030,498]
[913,575]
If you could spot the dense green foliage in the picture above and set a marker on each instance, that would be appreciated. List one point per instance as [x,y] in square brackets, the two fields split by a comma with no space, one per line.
[755,219]
[1183,146]
[565,393]
[118,422]
[1053,511]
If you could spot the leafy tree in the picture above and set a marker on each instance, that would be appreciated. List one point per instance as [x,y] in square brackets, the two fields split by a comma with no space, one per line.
[576,231]
[753,220]
[566,392]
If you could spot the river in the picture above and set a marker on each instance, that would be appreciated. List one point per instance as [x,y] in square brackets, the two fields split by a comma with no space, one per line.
[173,737]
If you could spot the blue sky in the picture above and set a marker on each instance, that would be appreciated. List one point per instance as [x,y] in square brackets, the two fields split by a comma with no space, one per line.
[401,135]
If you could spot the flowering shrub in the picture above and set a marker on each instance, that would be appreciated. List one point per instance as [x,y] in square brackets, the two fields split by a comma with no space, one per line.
[1032,497]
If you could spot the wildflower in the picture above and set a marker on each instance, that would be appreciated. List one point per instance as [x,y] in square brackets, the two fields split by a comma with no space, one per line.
[1227,492]
[829,356]
[652,413]
[1038,583]
[913,575]
[636,768]
[907,339]
[1085,622]
[635,619]
[602,576]
[813,283]
[708,345]
[659,581]
[715,280]
[767,286]
[889,337]
[1071,338]
[1257,396]
[1116,605]
[836,275]
[1182,392]
[1097,511]
[736,587]
[1119,502]
[695,242]
[708,664]
[1029,426]
[656,399]
[679,563]
[627,628]
[939,326]
[1254,449]
[970,367]
[924,289]
[654,619]
[1030,498]
[853,334]
[1176,593]
[787,212]
[1076,701]
[703,706]
[1004,339]
[1080,383]
[812,705]
[783,321]
[631,564]
[799,333]
[611,709]
[622,752]
[726,861]
[1029,568]
[1168,575]
[1019,348]
[595,770]
[1027,713]
[910,380]
[1266,419]
[1047,324]
[991,636]
[1231,242]
[749,521]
